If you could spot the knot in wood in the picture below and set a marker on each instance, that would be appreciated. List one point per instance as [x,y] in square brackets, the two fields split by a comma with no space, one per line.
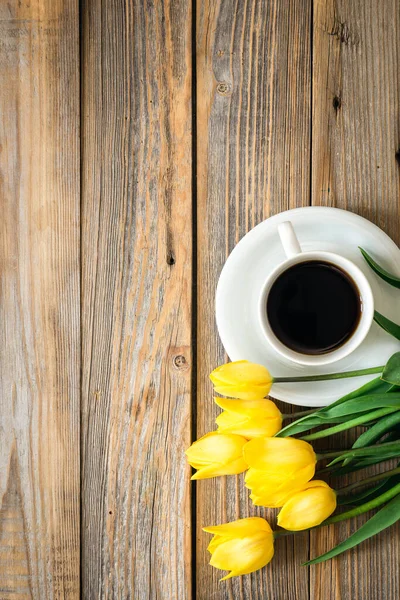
[337,102]
[180,363]
[223,88]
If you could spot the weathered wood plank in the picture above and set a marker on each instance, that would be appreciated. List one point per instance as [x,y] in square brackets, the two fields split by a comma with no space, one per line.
[136,230]
[39,300]
[253,160]
[355,141]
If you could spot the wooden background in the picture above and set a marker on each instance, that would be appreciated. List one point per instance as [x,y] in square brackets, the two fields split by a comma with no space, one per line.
[139,141]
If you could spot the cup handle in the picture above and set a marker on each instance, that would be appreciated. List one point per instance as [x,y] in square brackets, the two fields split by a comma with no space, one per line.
[289,240]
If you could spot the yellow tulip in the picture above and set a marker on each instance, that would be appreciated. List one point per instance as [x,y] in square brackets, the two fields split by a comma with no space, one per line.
[250,418]
[242,546]
[217,454]
[277,468]
[242,379]
[308,507]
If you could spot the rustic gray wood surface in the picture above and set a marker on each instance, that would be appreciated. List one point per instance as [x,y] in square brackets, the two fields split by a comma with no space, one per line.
[136,299]
[139,141]
[39,300]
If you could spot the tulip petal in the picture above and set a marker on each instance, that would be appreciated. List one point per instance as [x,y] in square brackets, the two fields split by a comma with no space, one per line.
[224,373]
[227,420]
[264,479]
[273,496]
[217,454]
[270,454]
[253,428]
[249,418]
[272,499]
[241,371]
[242,379]
[234,467]
[244,391]
[257,478]
[244,555]
[231,574]
[317,483]
[215,542]
[274,489]
[245,406]
[240,527]
[215,447]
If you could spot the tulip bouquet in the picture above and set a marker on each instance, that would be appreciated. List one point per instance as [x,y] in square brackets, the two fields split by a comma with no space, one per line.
[281,464]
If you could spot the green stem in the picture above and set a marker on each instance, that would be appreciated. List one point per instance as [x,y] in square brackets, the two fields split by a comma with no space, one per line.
[349,424]
[359,510]
[299,414]
[353,486]
[329,376]
[356,451]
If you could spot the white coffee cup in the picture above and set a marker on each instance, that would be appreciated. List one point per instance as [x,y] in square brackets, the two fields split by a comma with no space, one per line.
[294,256]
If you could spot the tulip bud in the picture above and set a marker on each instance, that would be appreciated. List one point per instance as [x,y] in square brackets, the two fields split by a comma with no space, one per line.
[242,546]
[217,454]
[277,467]
[249,418]
[308,507]
[242,379]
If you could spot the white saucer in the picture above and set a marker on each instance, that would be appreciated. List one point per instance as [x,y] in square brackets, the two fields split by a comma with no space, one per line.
[260,251]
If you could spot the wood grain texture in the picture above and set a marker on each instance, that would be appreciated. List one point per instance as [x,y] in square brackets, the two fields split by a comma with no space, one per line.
[253,160]
[136,266]
[356,125]
[295,101]
[355,165]
[39,300]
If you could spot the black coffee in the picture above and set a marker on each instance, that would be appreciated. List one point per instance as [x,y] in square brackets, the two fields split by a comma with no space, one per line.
[313,307]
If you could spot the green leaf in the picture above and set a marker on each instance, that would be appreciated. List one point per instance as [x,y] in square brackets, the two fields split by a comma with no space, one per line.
[364,404]
[320,418]
[383,274]
[374,433]
[350,422]
[387,516]
[387,325]
[375,386]
[391,372]
[306,423]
